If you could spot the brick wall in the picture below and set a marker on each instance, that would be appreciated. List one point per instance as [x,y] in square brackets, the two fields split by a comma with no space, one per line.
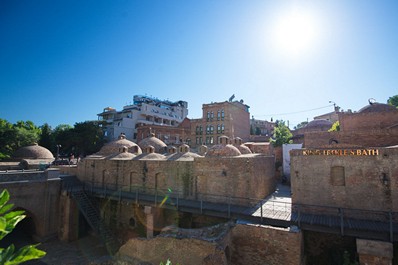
[243,244]
[257,245]
[212,179]
[372,138]
[362,188]
[367,121]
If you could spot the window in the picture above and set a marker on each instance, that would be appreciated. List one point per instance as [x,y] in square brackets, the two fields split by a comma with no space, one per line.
[337,176]
[222,128]
[218,128]
[211,140]
[222,115]
[208,115]
[218,115]
[200,129]
[211,129]
[211,115]
[208,129]
[197,130]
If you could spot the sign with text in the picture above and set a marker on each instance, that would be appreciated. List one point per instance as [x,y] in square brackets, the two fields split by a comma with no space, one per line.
[342,152]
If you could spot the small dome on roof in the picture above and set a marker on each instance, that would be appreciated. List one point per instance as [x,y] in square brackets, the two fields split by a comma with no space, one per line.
[242,148]
[160,146]
[223,149]
[187,156]
[377,107]
[33,151]
[115,147]
[124,155]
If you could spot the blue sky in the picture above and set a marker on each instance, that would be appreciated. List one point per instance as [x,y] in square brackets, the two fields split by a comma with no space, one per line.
[62,62]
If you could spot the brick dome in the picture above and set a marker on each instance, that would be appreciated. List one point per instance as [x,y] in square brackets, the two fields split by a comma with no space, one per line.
[377,107]
[124,155]
[33,151]
[116,147]
[242,148]
[223,149]
[159,145]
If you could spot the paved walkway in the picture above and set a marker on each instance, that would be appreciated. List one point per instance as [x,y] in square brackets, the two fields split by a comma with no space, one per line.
[278,205]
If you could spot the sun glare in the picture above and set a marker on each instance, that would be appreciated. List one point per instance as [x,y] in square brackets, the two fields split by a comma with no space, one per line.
[295,32]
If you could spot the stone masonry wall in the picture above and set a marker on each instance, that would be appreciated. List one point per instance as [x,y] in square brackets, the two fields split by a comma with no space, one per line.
[374,138]
[256,245]
[243,244]
[369,182]
[211,179]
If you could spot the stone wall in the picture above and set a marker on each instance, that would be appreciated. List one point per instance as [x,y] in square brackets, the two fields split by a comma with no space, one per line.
[368,121]
[265,245]
[40,199]
[210,179]
[243,244]
[374,138]
[367,181]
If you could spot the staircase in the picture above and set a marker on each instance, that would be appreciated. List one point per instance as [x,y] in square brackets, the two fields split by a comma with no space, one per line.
[91,213]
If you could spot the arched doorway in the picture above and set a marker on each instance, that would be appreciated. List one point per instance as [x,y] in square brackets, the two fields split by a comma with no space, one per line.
[22,234]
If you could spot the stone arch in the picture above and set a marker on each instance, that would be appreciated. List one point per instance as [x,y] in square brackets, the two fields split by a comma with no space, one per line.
[134,180]
[160,181]
[26,231]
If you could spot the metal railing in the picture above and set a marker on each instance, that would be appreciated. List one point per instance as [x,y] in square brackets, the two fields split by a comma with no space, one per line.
[257,210]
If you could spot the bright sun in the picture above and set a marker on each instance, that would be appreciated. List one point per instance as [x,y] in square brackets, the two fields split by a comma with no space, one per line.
[295,32]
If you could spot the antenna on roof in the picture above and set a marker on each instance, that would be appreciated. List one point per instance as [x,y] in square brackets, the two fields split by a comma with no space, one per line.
[232,97]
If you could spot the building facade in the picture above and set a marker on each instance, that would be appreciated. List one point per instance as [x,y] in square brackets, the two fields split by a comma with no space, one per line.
[229,118]
[144,110]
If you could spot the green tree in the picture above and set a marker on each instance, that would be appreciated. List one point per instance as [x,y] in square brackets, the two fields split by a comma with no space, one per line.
[87,137]
[393,101]
[301,125]
[282,134]
[335,127]
[6,136]
[26,133]
[46,137]
[8,221]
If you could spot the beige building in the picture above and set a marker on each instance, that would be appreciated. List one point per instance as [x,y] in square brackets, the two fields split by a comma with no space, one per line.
[230,118]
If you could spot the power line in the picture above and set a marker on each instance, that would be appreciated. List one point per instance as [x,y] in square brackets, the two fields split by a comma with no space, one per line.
[289,113]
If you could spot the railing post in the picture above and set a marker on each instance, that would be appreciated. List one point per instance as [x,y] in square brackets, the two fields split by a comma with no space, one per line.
[341,221]
[229,207]
[391,228]
[299,215]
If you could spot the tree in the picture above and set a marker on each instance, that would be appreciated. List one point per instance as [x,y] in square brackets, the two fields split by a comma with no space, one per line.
[301,125]
[46,137]
[14,136]
[335,127]
[8,221]
[6,134]
[26,133]
[393,101]
[282,134]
